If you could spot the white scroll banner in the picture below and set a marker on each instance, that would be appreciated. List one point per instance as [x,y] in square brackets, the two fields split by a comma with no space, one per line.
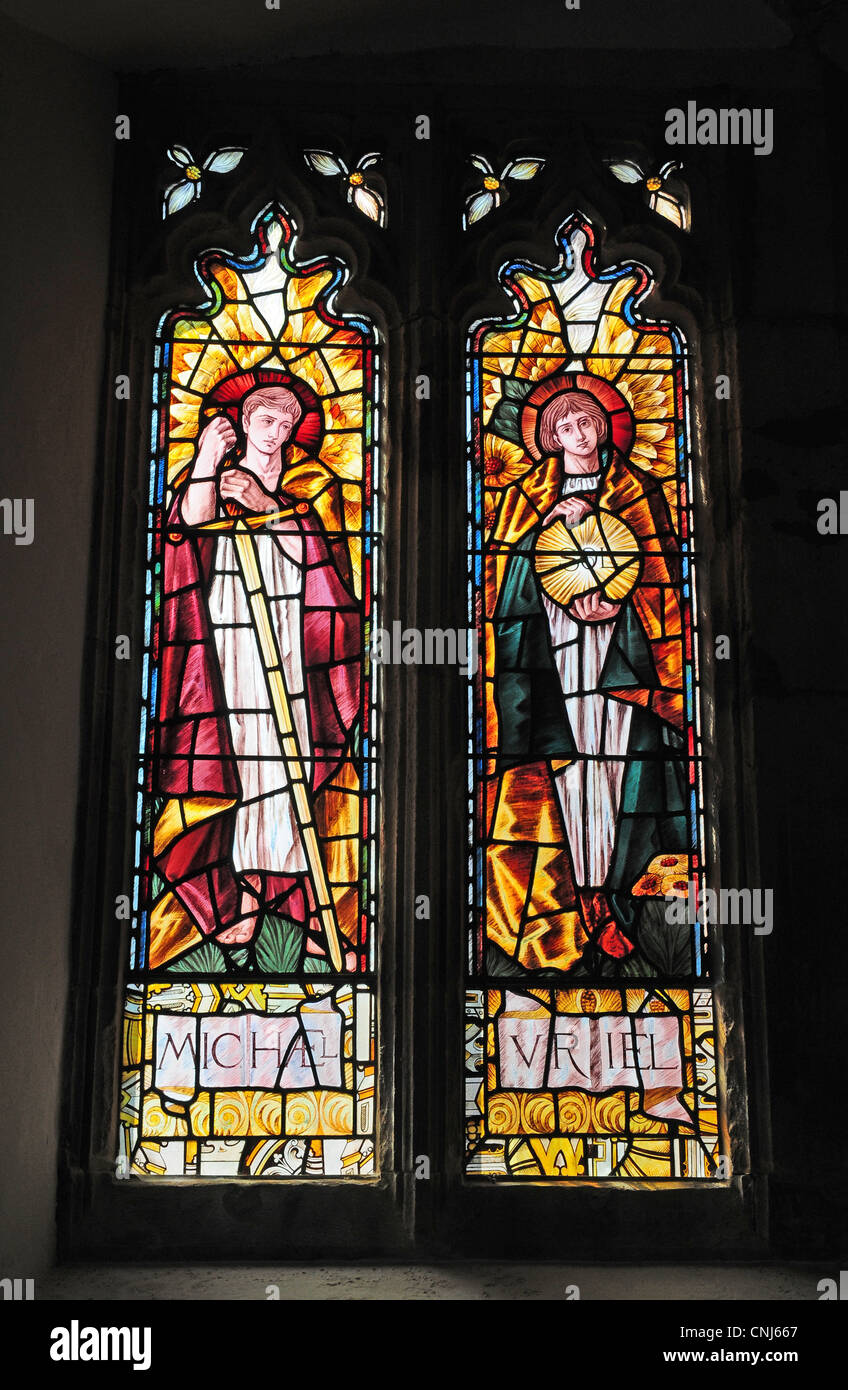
[597,1053]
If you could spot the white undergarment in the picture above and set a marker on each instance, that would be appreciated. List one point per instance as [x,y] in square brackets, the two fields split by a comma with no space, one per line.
[589,789]
[266,833]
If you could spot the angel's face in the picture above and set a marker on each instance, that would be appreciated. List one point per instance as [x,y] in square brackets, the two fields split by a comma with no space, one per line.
[578,435]
[268,427]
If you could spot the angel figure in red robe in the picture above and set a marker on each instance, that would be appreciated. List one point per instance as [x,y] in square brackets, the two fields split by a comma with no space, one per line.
[232,842]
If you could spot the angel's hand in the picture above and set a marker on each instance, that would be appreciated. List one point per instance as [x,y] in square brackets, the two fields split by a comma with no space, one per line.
[570,509]
[594,608]
[243,487]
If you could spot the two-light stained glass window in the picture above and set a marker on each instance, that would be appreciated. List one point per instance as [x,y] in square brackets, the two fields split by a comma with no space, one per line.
[250,1028]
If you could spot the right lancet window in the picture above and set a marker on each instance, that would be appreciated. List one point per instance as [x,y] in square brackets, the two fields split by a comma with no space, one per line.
[591,1027]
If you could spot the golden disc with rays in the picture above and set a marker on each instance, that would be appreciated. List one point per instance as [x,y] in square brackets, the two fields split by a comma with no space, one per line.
[600,552]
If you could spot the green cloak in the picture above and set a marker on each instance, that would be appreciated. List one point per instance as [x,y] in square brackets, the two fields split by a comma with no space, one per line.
[534,725]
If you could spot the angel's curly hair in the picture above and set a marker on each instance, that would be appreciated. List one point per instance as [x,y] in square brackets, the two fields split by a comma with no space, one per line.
[273,396]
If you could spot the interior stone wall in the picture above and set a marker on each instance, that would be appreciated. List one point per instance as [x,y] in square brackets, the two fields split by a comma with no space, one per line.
[57,137]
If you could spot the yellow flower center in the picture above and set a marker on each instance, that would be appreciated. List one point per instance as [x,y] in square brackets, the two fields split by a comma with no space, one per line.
[491,183]
[653,184]
[193,173]
[356,179]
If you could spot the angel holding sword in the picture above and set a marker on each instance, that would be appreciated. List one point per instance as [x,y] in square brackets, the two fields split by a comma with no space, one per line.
[260,679]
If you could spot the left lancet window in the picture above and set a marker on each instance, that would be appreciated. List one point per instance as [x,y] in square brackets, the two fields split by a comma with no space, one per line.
[250,1012]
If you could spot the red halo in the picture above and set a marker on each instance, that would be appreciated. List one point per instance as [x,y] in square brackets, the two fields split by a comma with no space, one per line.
[618,412]
[227,397]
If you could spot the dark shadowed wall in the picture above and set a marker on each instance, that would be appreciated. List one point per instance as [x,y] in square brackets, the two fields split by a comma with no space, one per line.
[57,113]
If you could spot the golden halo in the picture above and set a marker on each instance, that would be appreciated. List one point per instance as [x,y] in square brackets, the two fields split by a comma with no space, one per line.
[600,552]
[618,412]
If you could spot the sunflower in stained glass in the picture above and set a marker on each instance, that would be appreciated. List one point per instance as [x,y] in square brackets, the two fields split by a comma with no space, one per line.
[600,552]
[503,462]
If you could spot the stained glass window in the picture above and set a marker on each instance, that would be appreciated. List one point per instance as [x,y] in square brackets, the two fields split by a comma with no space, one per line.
[591,1025]
[249,1031]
